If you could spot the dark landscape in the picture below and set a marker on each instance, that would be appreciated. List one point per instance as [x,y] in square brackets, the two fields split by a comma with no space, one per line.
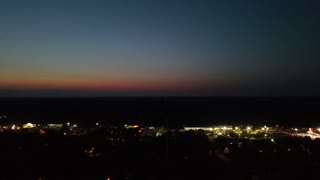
[112,150]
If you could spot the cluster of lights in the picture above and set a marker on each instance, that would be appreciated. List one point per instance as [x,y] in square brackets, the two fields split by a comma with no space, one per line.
[130,126]
[265,128]
[29,125]
[90,152]
[72,126]
[224,128]
[3,116]
[313,132]
[13,127]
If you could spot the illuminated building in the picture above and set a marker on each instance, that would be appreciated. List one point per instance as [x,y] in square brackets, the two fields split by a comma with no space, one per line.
[198,128]
[29,125]
[224,128]
[55,126]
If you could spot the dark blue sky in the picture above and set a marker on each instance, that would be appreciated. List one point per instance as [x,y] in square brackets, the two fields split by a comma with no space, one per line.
[153,47]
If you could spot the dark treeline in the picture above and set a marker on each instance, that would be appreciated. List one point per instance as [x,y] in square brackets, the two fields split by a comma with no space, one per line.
[161,111]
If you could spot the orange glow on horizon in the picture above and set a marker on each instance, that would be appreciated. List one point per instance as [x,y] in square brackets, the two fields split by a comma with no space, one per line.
[101,84]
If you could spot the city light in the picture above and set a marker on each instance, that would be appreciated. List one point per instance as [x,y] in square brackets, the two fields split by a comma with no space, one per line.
[131,126]
[54,126]
[29,125]
[252,132]
[42,132]
[197,128]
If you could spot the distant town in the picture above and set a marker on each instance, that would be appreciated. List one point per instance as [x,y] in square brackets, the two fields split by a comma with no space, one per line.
[114,133]
[34,149]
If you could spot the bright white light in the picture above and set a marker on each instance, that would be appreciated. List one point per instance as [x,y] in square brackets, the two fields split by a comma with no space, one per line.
[68,123]
[13,127]
[236,128]
[249,128]
[272,140]
[97,124]
[319,129]
[295,129]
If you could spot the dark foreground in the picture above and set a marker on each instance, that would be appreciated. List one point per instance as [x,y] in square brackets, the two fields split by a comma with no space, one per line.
[175,155]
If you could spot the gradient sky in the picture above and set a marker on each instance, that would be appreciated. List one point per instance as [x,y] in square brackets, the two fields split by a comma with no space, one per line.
[159,47]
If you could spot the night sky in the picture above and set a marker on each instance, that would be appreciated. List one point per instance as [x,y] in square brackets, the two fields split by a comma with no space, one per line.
[159,48]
